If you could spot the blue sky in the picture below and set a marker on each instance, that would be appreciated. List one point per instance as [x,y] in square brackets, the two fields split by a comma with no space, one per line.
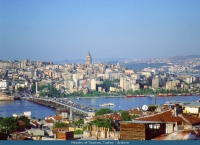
[50,30]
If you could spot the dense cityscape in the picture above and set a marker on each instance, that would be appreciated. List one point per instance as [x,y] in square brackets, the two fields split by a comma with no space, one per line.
[99,72]
[44,81]
[100,78]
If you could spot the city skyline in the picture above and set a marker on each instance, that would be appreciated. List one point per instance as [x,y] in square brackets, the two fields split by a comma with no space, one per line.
[67,30]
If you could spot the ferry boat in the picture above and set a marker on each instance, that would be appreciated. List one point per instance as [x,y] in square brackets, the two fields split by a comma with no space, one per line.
[107,104]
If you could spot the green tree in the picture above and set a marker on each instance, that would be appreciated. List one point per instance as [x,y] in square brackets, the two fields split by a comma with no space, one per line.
[78,132]
[126,116]
[152,108]
[104,122]
[26,120]
[60,124]
[79,122]
[107,84]
[8,125]
[21,89]
[103,111]
[33,88]
[129,92]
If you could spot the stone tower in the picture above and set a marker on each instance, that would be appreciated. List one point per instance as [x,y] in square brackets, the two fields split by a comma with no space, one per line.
[88,59]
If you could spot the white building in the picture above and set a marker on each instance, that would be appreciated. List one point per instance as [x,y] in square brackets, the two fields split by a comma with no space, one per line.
[4,84]
[93,84]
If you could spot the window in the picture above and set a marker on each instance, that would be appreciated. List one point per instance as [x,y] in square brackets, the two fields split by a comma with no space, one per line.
[154,126]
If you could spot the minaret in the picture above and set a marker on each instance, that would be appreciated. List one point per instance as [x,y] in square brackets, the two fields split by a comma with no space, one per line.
[70,117]
[36,87]
[88,59]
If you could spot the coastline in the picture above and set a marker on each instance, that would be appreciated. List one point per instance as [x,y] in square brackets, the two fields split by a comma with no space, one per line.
[94,97]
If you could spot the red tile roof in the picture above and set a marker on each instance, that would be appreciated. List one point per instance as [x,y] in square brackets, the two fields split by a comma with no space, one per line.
[57,117]
[163,117]
[49,121]
[167,117]
[36,123]
[193,120]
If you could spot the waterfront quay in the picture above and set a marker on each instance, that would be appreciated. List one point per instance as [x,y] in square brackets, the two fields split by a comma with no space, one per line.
[64,105]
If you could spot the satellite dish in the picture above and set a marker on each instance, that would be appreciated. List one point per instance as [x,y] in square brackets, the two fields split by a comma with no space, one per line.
[144,107]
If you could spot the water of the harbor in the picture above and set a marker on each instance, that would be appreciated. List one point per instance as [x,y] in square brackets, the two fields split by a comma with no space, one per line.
[8,108]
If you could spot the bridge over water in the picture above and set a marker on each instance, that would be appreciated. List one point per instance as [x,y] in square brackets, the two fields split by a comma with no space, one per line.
[64,105]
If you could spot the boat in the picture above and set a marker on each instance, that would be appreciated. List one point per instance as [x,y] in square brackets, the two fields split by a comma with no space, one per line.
[130,96]
[107,104]
[171,94]
[161,95]
[152,96]
[186,94]
[5,97]
[141,96]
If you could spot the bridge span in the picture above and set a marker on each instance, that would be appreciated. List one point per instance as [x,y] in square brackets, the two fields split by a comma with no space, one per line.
[65,105]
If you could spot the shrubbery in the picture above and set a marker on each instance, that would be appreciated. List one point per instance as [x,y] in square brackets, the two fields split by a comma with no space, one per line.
[78,132]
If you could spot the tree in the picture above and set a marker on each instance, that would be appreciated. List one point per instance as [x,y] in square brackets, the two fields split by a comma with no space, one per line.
[33,88]
[103,111]
[126,116]
[25,120]
[104,122]
[21,89]
[78,132]
[8,125]
[79,122]
[60,124]
[152,108]
[129,92]
[107,84]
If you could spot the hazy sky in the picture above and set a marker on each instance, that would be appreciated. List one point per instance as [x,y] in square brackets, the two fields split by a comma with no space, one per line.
[52,30]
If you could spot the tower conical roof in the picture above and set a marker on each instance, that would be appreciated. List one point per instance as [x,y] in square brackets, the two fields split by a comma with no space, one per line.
[88,54]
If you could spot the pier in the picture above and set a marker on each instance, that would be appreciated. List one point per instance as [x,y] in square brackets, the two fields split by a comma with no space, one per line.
[64,105]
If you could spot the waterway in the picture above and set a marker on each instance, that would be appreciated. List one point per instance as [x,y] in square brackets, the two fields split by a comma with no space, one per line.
[8,108]
[140,66]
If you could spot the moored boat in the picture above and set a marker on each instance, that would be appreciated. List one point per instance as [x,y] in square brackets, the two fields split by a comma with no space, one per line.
[186,94]
[161,95]
[141,96]
[107,104]
[130,96]
[152,96]
[171,94]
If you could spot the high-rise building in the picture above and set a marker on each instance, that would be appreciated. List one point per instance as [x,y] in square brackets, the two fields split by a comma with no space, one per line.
[156,82]
[88,59]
